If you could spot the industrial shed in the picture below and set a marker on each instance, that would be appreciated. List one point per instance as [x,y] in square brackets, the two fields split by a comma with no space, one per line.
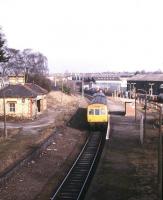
[23,100]
[151,83]
[109,84]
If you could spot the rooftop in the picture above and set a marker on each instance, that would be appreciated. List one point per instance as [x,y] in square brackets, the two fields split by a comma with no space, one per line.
[22,91]
[147,77]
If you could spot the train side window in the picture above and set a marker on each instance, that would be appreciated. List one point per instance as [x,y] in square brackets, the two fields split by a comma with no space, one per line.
[97,112]
[91,112]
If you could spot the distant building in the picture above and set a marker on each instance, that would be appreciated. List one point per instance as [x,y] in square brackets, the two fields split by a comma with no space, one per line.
[111,84]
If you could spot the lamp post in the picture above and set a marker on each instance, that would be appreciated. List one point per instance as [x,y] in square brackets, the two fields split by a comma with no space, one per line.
[151,89]
[133,88]
[130,89]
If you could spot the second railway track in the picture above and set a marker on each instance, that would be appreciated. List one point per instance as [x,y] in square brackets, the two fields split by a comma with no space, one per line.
[74,185]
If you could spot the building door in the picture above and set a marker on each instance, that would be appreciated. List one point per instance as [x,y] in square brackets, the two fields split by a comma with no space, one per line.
[38,106]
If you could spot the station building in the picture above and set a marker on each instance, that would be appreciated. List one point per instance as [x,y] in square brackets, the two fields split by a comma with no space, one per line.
[22,100]
[152,84]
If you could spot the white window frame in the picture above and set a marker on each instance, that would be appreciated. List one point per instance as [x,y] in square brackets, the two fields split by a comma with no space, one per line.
[12,107]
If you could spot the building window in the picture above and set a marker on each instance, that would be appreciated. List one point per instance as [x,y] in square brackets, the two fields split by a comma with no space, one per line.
[12,107]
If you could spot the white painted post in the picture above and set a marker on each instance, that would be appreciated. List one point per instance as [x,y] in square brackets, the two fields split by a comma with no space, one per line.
[108,130]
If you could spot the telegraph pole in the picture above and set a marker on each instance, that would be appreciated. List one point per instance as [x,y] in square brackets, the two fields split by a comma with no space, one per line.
[82,85]
[4,112]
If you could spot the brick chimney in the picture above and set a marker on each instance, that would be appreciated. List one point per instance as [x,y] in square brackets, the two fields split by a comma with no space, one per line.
[15,80]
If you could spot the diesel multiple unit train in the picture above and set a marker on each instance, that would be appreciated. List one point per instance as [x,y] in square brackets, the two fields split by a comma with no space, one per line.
[97,110]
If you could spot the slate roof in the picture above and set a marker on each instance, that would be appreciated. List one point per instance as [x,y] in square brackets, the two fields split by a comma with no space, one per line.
[20,91]
[107,78]
[147,77]
[36,88]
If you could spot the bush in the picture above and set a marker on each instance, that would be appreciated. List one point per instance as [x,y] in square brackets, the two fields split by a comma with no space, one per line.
[40,80]
[66,89]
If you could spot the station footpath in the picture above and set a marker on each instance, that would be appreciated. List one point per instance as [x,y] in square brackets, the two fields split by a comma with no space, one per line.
[122,104]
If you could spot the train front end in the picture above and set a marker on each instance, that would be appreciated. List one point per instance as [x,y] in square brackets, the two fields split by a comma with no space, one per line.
[97,113]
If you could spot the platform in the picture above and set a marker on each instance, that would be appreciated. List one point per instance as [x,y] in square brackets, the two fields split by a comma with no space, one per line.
[127,170]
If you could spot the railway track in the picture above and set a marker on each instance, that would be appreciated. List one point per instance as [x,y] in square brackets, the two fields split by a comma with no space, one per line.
[75,183]
[90,97]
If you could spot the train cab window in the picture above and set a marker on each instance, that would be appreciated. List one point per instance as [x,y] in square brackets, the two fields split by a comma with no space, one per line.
[91,112]
[103,112]
[97,112]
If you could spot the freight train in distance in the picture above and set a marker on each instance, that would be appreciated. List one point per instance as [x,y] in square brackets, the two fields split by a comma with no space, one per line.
[97,111]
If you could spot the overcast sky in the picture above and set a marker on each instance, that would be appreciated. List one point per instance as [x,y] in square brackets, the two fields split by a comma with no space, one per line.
[88,35]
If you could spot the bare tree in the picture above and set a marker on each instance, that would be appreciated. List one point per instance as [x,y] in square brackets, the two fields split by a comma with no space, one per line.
[36,62]
[3,54]
[24,61]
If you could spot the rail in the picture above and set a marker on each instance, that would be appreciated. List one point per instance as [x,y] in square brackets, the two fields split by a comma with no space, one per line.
[75,183]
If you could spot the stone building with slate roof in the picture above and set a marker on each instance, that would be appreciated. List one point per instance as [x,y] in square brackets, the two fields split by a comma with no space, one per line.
[22,100]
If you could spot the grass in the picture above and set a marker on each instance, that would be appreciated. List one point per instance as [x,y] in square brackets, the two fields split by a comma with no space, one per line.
[19,145]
